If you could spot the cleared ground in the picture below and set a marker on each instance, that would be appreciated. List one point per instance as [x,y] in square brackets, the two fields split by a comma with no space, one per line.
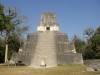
[60,70]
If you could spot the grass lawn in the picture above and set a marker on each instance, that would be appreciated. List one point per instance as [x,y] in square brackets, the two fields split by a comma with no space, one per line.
[60,70]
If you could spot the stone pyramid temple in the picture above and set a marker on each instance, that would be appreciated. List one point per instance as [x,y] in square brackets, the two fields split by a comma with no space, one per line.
[48,47]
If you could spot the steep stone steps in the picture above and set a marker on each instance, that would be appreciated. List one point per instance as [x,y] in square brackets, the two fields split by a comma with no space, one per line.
[45,50]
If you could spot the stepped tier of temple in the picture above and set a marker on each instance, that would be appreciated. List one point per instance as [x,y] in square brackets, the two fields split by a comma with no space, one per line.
[47,47]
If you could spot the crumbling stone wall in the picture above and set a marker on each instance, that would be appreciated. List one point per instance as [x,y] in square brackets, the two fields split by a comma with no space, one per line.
[70,58]
[92,62]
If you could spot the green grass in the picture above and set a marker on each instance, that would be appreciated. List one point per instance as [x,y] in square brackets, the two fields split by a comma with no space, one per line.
[60,70]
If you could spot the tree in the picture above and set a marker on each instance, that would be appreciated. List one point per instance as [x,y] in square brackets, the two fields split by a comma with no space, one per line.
[9,22]
[2,47]
[96,43]
[2,26]
[92,50]
[89,33]
[79,44]
[88,53]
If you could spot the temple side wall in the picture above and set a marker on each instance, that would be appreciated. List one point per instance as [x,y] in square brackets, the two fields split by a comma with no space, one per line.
[70,58]
[66,53]
[63,44]
[28,49]
[92,62]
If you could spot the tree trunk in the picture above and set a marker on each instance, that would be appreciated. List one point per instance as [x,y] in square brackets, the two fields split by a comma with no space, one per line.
[6,53]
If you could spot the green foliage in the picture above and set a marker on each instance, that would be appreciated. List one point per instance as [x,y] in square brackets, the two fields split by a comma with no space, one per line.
[2,52]
[90,48]
[79,44]
[94,51]
[89,53]
[2,26]
[14,44]
[11,30]
[96,43]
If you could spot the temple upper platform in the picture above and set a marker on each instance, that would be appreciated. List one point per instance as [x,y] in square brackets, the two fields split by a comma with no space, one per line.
[48,22]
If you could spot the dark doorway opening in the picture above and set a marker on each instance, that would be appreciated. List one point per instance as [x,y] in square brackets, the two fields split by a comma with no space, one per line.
[47,28]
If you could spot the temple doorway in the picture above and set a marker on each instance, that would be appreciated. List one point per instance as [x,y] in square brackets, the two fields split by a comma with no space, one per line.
[48,28]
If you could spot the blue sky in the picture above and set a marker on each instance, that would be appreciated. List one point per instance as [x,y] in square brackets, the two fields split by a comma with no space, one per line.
[73,16]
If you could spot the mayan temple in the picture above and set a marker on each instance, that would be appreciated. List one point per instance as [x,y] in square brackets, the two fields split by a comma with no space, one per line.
[48,47]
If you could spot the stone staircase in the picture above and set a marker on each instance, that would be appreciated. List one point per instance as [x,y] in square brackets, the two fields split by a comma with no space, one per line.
[45,50]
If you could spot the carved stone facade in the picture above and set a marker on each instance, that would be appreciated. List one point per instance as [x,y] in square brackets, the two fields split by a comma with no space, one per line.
[48,47]
[48,22]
